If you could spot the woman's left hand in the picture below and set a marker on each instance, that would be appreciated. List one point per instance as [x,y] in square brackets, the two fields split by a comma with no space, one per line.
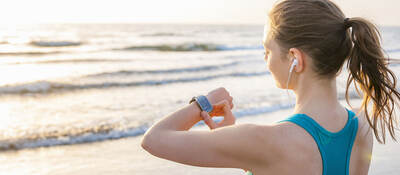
[221,108]
[218,95]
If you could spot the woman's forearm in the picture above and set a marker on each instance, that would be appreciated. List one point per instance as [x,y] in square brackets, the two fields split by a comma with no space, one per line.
[180,120]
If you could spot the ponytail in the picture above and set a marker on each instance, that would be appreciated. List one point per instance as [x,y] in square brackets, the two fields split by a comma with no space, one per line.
[369,71]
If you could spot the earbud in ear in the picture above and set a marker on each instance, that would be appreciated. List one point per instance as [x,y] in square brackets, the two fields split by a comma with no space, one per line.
[293,64]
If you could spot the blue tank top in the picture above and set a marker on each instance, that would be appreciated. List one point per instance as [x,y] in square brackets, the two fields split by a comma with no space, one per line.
[334,147]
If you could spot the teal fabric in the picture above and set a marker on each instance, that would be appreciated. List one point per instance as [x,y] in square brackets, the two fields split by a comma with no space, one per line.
[335,148]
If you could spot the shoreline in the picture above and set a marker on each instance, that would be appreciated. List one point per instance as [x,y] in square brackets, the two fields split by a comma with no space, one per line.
[126,156]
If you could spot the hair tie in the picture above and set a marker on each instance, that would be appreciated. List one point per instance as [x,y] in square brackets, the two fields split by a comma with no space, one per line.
[346,23]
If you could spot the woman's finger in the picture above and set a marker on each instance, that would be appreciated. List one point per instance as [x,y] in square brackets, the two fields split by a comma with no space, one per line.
[218,110]
[222,108]
[229,118]
[207,119]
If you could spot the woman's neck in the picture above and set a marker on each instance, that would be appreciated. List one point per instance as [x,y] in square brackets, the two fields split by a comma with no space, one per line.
[316,96]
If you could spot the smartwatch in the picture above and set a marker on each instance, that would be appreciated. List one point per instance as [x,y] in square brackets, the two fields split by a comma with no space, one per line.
[202,102]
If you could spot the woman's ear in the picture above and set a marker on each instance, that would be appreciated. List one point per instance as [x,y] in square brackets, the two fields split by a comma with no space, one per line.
[298,54]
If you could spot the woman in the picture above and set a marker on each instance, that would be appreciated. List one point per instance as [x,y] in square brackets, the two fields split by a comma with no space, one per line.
[307,43]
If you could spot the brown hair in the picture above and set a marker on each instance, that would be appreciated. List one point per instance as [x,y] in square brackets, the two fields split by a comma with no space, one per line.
[320,29]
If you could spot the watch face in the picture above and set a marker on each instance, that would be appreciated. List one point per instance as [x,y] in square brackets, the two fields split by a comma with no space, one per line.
[204,103]
[208,108]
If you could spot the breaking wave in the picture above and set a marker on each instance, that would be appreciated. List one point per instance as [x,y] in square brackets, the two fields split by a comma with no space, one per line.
[55,43]
[44,87]
[187,47]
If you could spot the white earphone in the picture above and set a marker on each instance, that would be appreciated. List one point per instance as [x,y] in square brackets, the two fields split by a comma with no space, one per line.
[295,62]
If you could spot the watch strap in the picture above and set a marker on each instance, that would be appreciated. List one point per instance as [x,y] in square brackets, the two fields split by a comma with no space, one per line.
[192,100]
[204,104]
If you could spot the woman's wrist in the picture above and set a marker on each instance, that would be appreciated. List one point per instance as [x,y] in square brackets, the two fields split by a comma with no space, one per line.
[196,107]
[203,102]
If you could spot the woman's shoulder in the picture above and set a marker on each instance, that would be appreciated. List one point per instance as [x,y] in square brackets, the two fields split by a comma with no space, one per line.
[277,133]
[282,140]
[283,145]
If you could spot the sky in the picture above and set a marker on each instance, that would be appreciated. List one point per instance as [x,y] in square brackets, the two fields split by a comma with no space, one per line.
[384,12]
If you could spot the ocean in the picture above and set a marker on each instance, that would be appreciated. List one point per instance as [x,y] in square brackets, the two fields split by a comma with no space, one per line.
[69,84]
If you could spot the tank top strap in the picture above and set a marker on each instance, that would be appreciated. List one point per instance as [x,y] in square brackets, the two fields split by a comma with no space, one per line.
[303,121]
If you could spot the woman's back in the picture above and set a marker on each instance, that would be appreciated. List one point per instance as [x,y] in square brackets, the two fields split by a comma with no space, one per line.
[300,154]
